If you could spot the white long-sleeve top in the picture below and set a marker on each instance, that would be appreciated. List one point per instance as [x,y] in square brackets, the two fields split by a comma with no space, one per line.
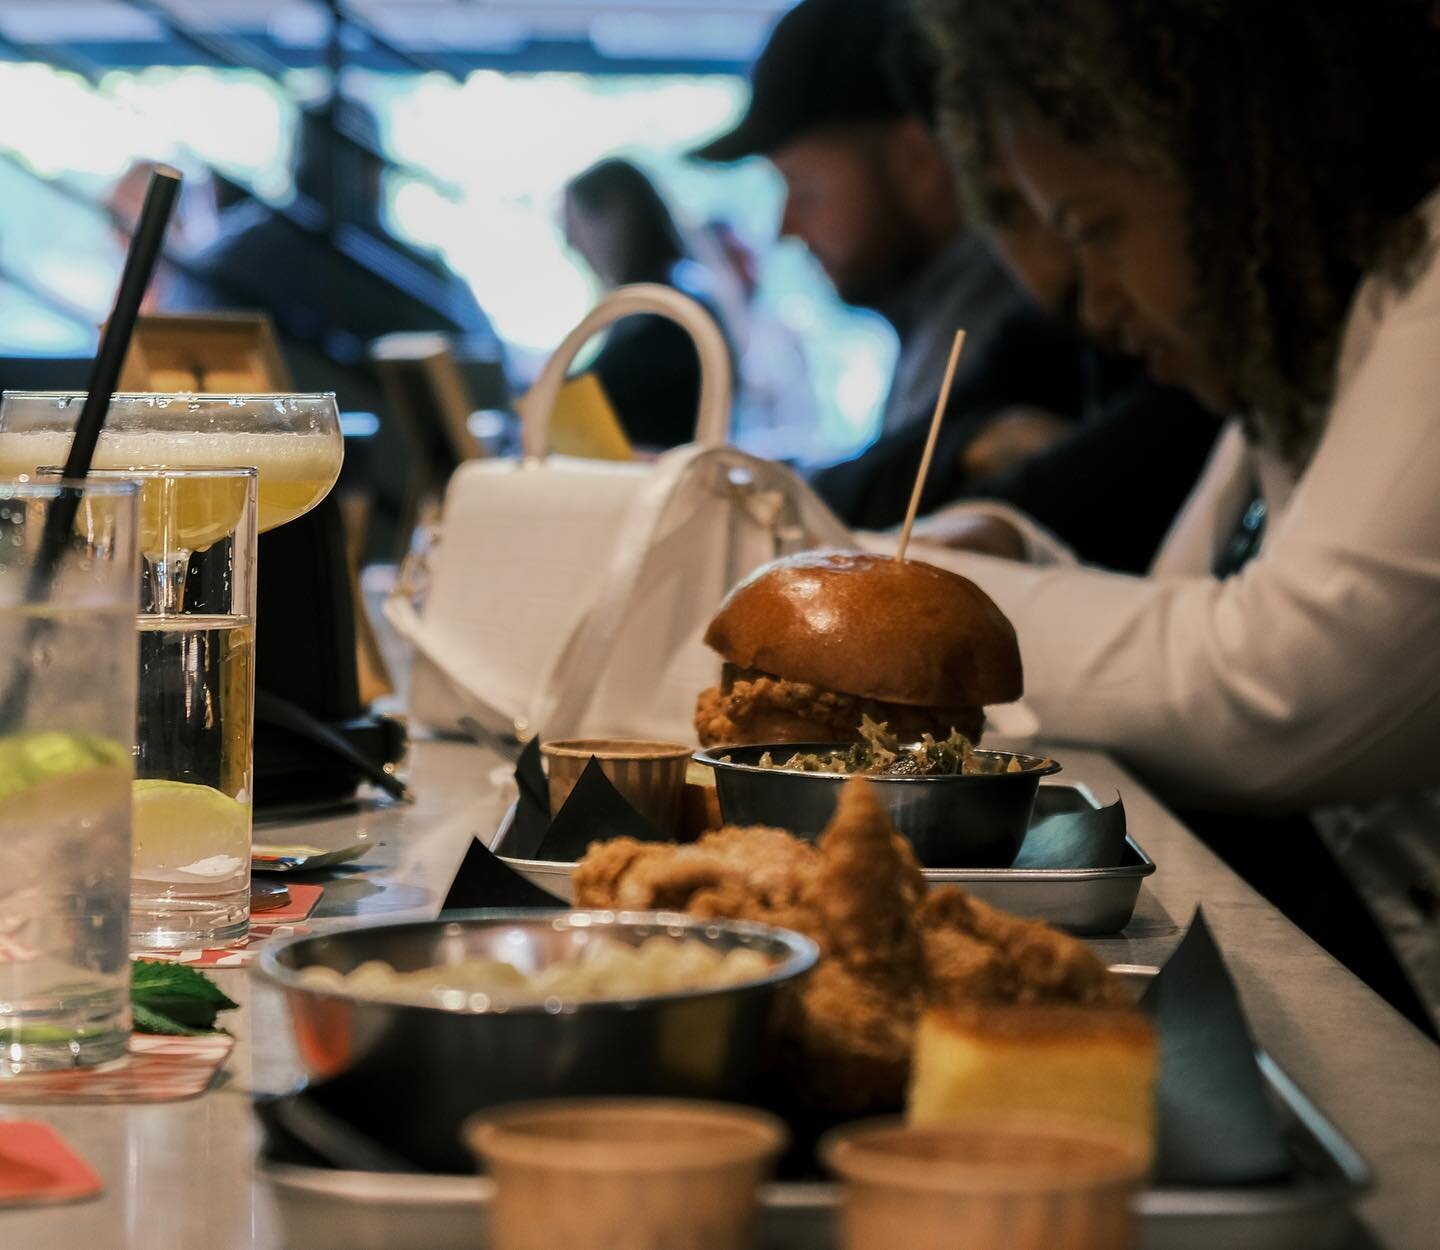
[1313,675]
[1309,679]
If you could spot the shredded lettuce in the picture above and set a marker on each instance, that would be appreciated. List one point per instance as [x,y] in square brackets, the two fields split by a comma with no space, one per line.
[880,753]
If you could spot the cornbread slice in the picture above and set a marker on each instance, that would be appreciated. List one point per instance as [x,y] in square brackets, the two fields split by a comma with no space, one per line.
[1091,1064]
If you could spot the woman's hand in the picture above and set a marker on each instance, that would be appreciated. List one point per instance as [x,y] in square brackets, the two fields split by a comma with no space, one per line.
[986,535]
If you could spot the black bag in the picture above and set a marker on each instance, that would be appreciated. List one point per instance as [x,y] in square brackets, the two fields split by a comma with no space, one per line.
[314,740]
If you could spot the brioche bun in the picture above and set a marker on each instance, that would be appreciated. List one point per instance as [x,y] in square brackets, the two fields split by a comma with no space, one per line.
[873,627]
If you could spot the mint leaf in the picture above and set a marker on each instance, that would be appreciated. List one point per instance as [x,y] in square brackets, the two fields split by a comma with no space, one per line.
[151,977]
[175,998]
[144,1020]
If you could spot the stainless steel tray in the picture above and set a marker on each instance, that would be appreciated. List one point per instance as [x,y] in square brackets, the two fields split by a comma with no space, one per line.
[331,1210]
[1087,901]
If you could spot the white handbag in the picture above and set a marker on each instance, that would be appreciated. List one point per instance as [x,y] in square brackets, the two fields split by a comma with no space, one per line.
[568,597]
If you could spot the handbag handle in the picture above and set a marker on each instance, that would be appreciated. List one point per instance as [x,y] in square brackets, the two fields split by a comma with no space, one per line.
[712,418]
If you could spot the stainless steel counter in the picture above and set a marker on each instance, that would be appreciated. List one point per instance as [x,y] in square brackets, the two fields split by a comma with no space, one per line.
[180,1176]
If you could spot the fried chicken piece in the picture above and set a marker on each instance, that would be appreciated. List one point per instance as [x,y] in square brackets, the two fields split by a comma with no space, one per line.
[736,873]
[851,1041]
[867,889]
[858,1010]
[771,709]
[960,969]
[751,706]
[851,1022]
[1037,963]
[888,948]
[776,865]
[598,877]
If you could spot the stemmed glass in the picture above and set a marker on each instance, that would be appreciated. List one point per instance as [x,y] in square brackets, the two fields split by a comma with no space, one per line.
[293,440]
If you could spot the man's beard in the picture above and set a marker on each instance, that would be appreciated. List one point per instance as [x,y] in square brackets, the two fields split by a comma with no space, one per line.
[876,284]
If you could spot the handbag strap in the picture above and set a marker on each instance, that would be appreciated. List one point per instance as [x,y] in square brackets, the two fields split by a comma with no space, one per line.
[712,417]
[566,693]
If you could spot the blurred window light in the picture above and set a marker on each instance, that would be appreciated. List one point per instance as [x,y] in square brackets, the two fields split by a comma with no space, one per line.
[236,120]
[58,244]
[56,123]
[29,327]
[359,424]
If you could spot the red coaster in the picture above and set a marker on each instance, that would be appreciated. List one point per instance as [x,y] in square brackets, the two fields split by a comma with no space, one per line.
[278,922]
[37,1166]
[157,1069]
[302,902]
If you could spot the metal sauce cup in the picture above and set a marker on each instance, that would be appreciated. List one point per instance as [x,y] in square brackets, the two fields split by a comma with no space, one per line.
[640,1174]
[1012,1182]
[651,775]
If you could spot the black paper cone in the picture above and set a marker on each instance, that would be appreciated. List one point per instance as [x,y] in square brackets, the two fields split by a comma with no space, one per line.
[530,777]
[595,812]
[1217,1126]
[1094,838]
[532,806]
[485,880]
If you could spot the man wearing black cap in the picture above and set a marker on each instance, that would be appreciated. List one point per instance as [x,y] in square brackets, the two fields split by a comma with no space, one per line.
[868,188]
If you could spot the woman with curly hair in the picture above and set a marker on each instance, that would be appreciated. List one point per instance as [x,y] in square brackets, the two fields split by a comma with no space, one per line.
[1250,190]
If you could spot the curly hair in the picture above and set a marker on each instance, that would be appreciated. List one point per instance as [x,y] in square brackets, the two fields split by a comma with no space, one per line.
[1303,130]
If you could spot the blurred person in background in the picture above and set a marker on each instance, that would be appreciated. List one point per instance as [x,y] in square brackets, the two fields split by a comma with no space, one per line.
[325,269]
[619,224]
[332,281]
[775,404]
[1108,488]
[1270,240]
[868,189]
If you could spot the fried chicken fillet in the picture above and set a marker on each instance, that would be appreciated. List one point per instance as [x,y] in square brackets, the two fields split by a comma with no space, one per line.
[888,948]
[750,706]
[736,874]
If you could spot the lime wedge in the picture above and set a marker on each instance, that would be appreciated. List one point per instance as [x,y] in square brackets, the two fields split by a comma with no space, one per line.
[29,758]
[180,824]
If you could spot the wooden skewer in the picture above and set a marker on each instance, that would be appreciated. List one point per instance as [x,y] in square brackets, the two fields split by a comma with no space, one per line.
[930,445]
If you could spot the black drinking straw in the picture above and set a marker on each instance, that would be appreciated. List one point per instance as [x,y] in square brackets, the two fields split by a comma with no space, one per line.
[140,261]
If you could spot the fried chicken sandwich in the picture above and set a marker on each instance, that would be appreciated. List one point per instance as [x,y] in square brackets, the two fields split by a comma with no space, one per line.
[817,641]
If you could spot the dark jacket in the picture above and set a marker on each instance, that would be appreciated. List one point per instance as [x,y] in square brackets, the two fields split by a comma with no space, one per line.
[1109,489]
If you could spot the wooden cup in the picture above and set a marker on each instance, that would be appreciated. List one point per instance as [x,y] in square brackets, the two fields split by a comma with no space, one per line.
[1009,1182]
[651,775]
[624,1174]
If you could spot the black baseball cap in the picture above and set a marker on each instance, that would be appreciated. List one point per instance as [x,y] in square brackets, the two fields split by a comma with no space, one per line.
[825,61]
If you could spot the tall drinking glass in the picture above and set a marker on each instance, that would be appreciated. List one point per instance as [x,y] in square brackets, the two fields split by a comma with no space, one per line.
[195,732]
[67,722]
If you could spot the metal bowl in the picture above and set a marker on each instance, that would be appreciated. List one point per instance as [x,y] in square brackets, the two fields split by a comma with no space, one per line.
[974,820]
[408,1076]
